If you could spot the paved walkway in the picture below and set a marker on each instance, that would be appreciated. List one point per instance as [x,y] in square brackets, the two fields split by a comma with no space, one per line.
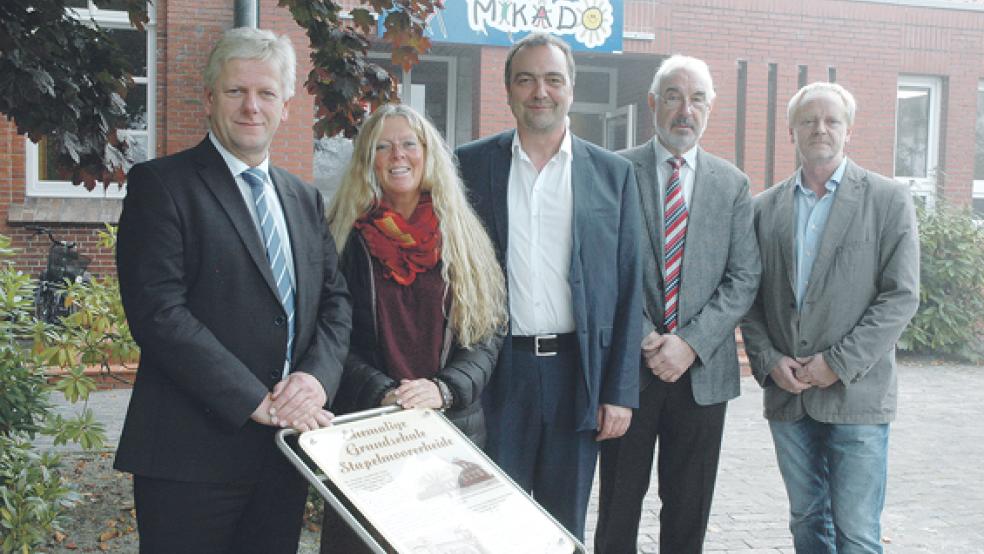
[935,498]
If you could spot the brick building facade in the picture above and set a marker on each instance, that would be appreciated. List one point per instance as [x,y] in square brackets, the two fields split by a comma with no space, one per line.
[915,66]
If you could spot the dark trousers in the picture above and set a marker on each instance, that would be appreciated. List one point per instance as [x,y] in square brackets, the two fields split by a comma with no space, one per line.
[689,439]
[535,440]
[337,537]
[261,516]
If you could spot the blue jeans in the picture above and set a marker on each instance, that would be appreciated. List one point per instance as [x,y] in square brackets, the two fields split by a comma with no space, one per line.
[835,478]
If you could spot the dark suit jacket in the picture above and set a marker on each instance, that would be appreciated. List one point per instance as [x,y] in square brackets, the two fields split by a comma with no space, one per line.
[605,275]
[201,303]
[720,271]
[863,290]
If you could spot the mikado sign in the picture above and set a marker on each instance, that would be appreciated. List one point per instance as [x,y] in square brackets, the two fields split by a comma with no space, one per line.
[587,25]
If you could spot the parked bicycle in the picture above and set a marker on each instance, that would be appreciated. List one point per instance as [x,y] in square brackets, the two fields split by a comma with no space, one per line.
[65,265]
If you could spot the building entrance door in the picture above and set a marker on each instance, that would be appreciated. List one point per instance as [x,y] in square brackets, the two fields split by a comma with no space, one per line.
[620,127]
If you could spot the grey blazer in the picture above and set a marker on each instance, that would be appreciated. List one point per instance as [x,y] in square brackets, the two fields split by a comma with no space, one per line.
[720,272]
[863,290]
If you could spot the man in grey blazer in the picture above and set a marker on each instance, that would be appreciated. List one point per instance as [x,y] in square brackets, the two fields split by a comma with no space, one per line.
[840,281]
[700,272]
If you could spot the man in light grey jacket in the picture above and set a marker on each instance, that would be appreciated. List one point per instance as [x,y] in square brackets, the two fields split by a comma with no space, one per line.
[700,272]
[840,281]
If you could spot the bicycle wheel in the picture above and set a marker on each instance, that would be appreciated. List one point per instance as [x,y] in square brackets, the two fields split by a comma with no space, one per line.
[46,303]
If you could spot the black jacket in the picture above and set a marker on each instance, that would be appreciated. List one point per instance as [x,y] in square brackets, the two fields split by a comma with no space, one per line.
[201,303]
[364,383]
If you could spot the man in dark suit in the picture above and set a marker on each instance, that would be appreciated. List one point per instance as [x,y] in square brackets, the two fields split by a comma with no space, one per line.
[564,219]
[229,280]
[701,270]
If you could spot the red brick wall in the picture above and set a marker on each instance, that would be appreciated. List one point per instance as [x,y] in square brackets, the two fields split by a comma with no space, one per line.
[869,44]
[11,169]
[491,108]
[34,248]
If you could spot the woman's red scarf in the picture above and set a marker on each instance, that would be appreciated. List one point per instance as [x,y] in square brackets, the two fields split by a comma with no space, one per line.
[405,248]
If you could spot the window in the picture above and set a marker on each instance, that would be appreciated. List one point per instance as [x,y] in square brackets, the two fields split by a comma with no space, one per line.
[594,98]
[978,201]
[42,180]
[917,117]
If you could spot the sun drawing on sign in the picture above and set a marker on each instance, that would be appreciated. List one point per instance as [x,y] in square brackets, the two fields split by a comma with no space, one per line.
[596,23]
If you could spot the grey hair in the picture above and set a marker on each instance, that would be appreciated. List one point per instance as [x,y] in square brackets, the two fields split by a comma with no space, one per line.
[678,62]
[850,105]
[245,43]
[540,39]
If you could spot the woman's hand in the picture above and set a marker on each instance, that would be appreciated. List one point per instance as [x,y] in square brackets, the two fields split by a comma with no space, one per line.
[389,398]
[418,393]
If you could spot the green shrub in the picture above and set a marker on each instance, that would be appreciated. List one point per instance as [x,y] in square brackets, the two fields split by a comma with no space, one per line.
[950,320]
[24,401]
[33,496]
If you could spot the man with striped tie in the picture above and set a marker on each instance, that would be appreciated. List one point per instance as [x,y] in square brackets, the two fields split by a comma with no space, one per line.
[700,274]
[229,278]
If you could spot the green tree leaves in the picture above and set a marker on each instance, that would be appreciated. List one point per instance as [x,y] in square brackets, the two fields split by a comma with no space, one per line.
[344,83]
[64,80]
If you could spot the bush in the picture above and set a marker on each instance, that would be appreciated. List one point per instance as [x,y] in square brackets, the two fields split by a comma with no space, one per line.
[950,320]
[33,496]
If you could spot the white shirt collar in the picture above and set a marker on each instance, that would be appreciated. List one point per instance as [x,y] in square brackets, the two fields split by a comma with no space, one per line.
[235,165]
[565,145]
[662,154]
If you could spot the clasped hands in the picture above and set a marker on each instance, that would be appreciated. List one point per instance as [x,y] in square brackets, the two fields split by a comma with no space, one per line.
[795,375]
[298,402]
[667,356]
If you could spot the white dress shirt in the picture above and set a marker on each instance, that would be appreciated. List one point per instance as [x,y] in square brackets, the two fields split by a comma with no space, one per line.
[541,212]
[237,166]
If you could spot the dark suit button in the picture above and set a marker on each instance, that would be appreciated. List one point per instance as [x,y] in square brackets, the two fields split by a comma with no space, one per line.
[279,321]
[274,376]
[803,343]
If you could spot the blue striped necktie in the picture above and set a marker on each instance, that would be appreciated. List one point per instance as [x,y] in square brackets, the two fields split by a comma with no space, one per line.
[674,235]
[275,251]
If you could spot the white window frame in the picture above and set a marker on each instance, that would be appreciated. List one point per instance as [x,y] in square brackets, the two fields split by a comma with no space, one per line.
[923,187]
[628,112]
[109,19]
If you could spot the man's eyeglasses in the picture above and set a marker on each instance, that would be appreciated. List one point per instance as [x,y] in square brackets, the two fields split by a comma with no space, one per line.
[675,100]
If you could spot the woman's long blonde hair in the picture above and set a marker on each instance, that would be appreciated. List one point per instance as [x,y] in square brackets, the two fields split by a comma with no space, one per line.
[469,265]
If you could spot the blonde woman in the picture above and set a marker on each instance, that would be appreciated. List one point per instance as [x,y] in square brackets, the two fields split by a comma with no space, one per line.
[428,296]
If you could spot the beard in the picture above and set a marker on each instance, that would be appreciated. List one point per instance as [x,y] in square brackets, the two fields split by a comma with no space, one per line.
[680,142]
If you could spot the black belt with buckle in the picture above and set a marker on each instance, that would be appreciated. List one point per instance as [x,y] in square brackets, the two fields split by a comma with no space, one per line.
[546,345]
